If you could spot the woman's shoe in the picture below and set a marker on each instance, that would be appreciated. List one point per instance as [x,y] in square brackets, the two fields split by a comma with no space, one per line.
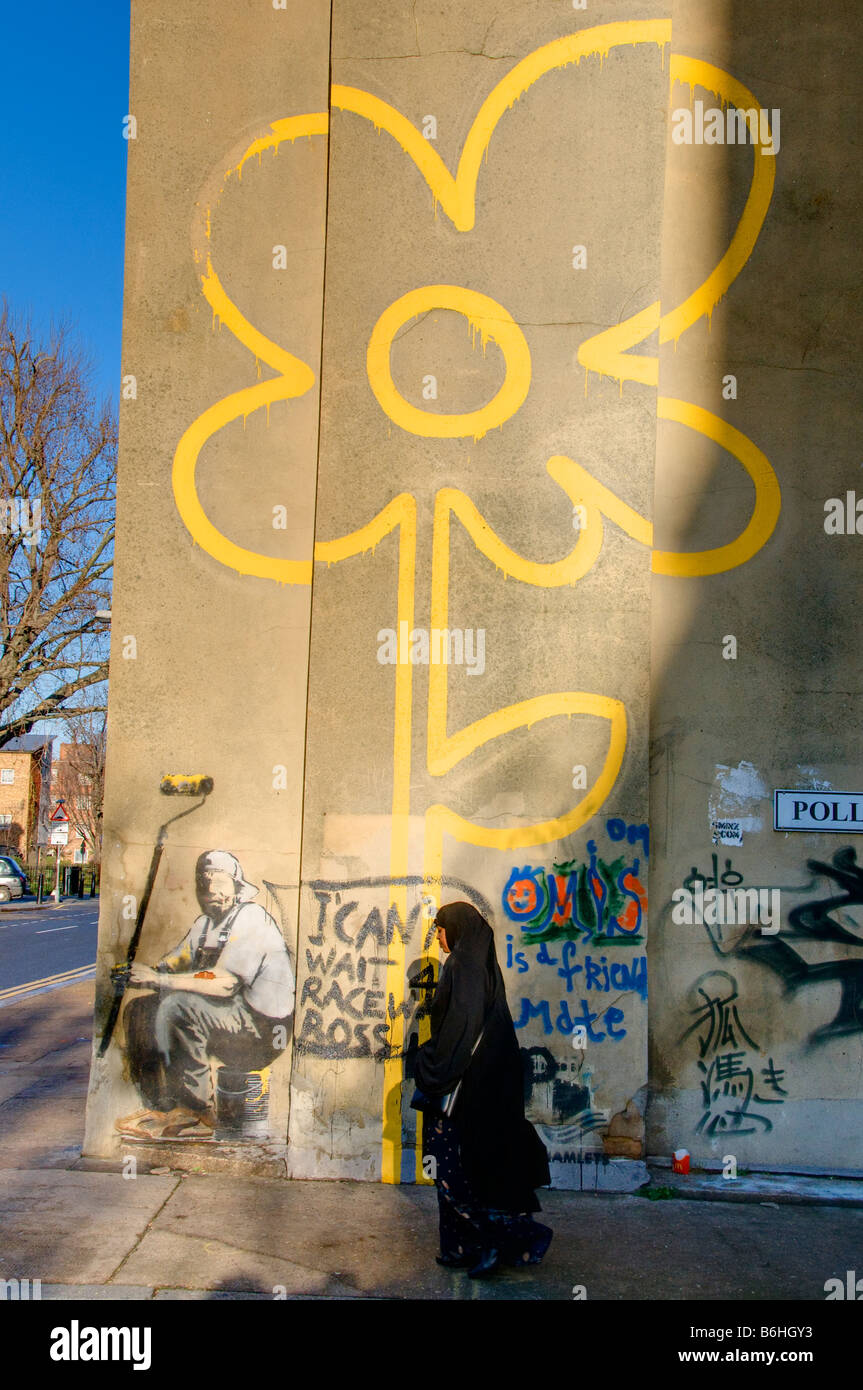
[486,1264]
[540,1243]
[528,1247]
[456,1261]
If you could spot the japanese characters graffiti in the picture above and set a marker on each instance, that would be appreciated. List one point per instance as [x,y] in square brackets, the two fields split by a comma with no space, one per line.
[826,922]
[733,1082]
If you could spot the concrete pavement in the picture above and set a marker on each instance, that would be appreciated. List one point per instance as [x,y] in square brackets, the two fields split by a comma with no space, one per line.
[88,1231]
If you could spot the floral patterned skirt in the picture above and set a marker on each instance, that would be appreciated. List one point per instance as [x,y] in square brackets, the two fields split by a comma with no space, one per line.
[466,1227]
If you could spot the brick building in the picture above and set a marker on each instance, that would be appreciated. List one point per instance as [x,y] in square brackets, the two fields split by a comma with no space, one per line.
[25,791]
[73,780]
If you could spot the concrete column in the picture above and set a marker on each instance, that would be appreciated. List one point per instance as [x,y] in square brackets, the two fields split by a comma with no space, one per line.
[486,471]
[756,1029]
[221,350]
[470,576]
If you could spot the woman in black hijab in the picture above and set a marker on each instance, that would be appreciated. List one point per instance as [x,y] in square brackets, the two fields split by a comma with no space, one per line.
[488,1158]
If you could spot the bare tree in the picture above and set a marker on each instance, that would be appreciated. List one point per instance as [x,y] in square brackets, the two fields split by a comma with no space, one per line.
[80,778]
[58,457]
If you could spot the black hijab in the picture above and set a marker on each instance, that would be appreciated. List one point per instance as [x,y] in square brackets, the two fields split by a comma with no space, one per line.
[469,986]
[473,1041]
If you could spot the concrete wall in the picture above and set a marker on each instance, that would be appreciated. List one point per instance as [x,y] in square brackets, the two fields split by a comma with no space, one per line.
[217,481]
[756,1036]
[458,433]
[398,361]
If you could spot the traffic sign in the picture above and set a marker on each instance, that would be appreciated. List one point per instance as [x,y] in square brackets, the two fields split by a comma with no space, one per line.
[59,813]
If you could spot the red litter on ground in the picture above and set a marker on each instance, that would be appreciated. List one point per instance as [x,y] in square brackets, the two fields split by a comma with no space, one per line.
[680,1161]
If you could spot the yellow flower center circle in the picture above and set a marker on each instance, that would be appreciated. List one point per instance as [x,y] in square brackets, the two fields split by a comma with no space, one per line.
[486,317]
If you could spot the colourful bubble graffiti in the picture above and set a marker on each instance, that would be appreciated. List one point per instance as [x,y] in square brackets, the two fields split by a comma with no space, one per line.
[600,900]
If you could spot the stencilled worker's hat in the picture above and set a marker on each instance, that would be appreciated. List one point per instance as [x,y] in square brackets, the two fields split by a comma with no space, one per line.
[220,861]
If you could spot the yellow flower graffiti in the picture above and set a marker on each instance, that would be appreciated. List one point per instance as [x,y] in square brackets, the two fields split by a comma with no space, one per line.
[608,353]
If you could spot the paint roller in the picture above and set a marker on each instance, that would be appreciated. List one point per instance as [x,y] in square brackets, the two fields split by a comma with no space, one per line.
[174,784]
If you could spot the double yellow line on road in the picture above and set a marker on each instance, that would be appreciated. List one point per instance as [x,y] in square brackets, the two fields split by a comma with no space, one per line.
[66,977]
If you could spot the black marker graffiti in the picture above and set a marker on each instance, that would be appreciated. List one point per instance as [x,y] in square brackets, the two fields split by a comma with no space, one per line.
[728,1088]
[815,921]
[344,1010]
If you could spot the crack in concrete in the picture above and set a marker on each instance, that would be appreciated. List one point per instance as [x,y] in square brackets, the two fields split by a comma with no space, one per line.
[434,53]
[558,323]
[698,780]
[112,1276]
[630,297]
[404,331]
[768,366]
[328,1274]
[612,1003]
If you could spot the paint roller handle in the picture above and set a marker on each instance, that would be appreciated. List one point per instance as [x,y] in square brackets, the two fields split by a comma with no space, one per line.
[112,1020]
[175,784]
[120,973]
[120,977]
[146,895]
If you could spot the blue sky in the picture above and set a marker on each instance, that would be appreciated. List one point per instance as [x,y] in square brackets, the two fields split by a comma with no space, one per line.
[63,96]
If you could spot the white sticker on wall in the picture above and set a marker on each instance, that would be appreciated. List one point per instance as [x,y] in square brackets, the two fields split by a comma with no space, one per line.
[738,794]
[727,832]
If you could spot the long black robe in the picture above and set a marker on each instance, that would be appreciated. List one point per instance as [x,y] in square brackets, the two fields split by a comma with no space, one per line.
[501,1153]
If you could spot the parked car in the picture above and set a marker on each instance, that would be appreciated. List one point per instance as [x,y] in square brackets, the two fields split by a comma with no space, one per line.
[13,880]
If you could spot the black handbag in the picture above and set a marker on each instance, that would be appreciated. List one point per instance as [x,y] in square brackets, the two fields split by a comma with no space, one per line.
[442,1105]
[428,1105]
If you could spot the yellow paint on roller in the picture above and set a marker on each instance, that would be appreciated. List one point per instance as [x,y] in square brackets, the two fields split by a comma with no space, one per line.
[186,784]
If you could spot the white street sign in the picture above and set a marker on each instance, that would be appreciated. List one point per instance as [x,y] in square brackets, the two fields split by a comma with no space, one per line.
[840,812]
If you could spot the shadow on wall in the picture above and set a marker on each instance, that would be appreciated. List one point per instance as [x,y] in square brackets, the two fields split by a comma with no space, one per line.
[753,663]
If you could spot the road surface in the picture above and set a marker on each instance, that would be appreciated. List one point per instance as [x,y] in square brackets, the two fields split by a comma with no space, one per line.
[41,947]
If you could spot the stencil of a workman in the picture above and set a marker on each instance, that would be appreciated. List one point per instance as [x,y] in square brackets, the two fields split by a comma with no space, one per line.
[226,991]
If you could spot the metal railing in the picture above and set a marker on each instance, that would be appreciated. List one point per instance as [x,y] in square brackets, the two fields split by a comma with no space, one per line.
[76,880]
